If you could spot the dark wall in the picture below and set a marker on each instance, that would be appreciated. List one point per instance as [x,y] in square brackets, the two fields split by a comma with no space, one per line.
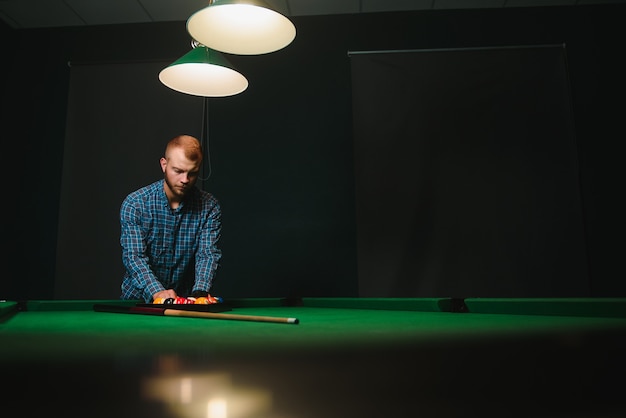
[467,174]
[285,170]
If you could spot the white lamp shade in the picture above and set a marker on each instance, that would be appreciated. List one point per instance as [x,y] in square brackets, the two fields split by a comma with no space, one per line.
[243,27]
[202,72]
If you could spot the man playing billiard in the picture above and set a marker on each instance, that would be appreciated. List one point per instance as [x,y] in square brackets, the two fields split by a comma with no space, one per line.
[170,230]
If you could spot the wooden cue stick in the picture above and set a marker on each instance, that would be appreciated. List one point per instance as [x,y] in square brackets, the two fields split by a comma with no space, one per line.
[191,314]
[213,315]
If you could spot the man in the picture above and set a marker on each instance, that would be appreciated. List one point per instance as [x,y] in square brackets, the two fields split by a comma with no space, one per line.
[170,230]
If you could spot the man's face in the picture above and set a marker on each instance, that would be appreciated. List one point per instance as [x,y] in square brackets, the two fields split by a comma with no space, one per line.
[180,173]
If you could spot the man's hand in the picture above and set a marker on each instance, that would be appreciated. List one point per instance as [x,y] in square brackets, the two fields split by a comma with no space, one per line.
[169,293]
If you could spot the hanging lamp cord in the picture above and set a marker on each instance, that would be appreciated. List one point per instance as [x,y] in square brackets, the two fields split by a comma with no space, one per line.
[204,140]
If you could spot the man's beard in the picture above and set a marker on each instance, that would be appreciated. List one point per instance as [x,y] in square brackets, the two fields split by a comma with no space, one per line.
[178,190]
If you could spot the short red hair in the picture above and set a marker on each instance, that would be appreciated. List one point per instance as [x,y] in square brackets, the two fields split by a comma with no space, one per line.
[189,144]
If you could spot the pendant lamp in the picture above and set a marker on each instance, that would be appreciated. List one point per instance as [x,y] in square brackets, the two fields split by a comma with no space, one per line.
[242,27]
[203,72]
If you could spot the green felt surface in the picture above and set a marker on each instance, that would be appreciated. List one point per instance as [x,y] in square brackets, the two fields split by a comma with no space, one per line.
[71,329]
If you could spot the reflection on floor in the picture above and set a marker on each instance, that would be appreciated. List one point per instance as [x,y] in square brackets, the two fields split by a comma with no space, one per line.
[569,375]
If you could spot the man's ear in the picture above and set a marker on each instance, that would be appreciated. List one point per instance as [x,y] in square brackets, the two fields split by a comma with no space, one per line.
[163,163]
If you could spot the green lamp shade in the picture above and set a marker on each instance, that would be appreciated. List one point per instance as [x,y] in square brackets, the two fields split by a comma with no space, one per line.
[203,72]
[243,27]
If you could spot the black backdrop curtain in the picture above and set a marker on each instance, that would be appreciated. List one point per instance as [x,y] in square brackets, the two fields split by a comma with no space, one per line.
[466,174]
[119,119]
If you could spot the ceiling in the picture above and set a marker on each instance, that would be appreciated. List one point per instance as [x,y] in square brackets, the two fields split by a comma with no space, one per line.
[30,14]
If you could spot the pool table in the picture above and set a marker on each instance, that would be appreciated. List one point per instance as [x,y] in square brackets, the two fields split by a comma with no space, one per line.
[345,357]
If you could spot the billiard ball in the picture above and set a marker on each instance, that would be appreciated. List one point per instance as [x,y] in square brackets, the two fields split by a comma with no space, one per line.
[169,301]
[158,301]
[202,301]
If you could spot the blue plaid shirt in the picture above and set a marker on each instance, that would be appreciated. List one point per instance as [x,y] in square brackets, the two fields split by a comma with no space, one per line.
[164,248]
